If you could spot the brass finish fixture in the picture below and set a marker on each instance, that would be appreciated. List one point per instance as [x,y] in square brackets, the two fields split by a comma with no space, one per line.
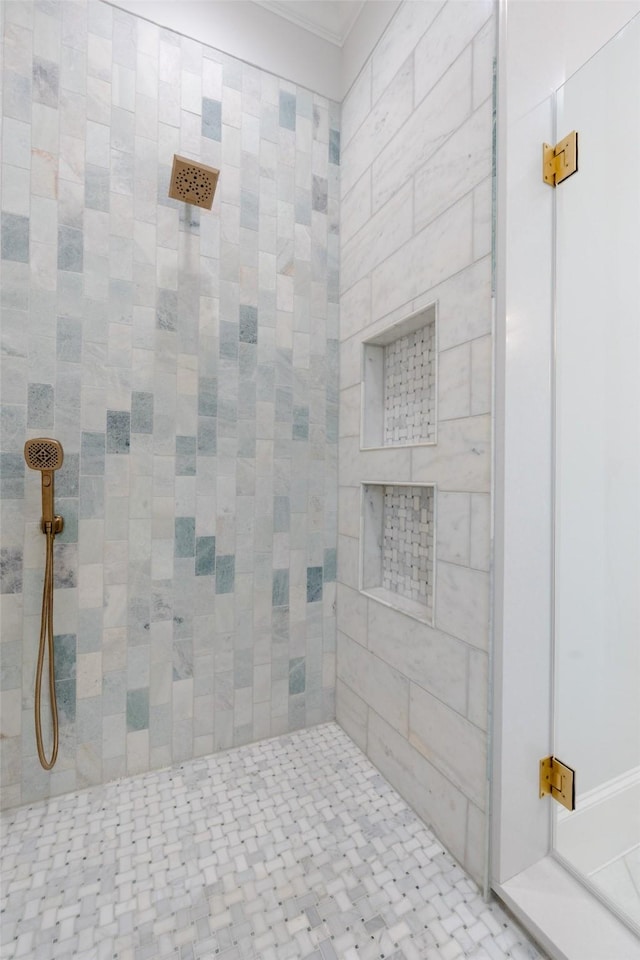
[46,455]
[561,161]
[558,781]
[193,182]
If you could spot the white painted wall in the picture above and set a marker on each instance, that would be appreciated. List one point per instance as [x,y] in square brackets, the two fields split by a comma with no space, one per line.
[254,34]
[541,44]
[257,35]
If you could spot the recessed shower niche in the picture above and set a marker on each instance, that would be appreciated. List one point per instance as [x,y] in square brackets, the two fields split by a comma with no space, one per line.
[397,565]
[399,383]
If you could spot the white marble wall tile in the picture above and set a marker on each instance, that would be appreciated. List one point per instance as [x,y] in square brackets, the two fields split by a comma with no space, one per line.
[349,510]
[355,315]
[430,658]
[462,603]
[372,465]
[454,527]
[355,207]
[480,556]
[481,375]
[352,714]
[357,105]
[484,54]
[454,382]
[482,219]
[452,744]
[461,460]
[380,236]
[462,162]
[476,844]
[349,424]
[430,793]
[374,682]
[477,707]
[378,128]
[351,607]
[409,24]
[439,251]
[454,28]
[349,561]
[425,130]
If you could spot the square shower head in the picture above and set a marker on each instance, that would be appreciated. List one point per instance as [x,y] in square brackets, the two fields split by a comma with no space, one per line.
[193,182]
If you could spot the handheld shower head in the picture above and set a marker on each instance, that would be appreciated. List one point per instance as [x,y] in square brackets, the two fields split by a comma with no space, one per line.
[45,455]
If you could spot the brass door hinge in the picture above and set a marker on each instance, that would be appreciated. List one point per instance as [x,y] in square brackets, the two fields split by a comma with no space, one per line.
[558,780]
[561,161]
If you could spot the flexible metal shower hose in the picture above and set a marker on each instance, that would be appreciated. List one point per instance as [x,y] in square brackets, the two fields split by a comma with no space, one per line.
[46,640]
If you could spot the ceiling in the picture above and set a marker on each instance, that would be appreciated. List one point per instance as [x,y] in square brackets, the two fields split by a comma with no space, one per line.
[330,19]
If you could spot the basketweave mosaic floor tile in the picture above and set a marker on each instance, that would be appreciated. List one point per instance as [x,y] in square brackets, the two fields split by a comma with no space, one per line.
[292,848]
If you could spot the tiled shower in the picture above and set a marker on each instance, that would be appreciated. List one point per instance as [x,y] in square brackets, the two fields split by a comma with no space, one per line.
[276,420]
[187,362]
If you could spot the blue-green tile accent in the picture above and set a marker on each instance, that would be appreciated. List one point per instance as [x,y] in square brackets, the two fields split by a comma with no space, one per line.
[205,556]
[69,339]
[70,249]
[280,588]
[330,565]
[40,409]
[319,194]
[300,423]
[118,431]
[167,309]
[334,146]
[15,237]
[12,476]
[92,454]
[45,81]
[225,573]
[64,656]
[185,456]
[138,709]
[248,324]
[207,397]
[10,570]
[297,675]
[68,476]
[66,699]
[211,119]
[141,412]
[281,515]
[207,436]
[287,110]
[314,584]
[185,537]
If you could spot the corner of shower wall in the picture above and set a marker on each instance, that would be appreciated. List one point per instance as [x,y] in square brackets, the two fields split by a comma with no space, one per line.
[416,340]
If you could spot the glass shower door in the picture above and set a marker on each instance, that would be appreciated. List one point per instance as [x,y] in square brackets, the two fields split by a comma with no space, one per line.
[597,475]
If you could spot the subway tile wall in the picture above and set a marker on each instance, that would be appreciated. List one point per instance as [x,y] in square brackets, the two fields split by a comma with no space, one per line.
[416,166]
[187,361]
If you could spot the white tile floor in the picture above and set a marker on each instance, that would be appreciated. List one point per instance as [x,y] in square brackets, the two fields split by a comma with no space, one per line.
[293,848]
